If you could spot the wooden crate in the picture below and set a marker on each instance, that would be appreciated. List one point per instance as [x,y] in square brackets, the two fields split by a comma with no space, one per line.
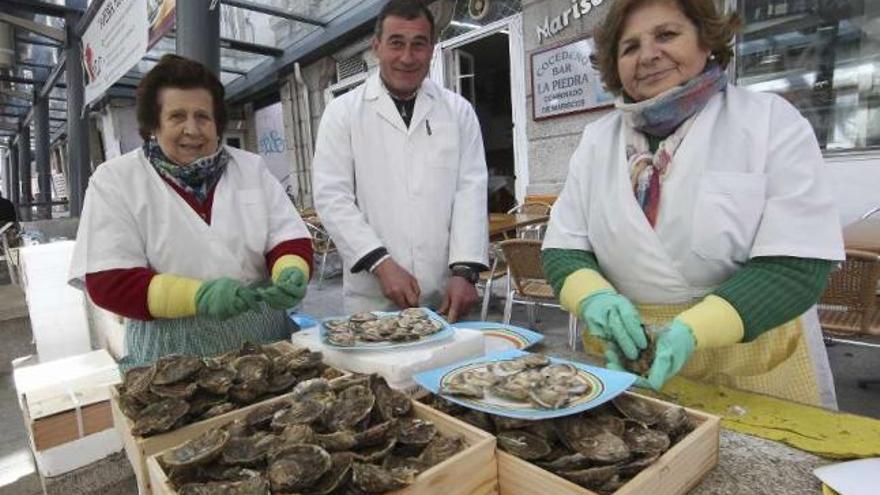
[138,449]
[472,471]
[676,472]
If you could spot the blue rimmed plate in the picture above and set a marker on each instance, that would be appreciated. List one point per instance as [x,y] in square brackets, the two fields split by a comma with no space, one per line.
[500,337]
[443,334]
[604,386]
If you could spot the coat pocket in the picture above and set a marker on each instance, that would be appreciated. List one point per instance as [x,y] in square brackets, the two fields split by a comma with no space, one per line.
[727,214]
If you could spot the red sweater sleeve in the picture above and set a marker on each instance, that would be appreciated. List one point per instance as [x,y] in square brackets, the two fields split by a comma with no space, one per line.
[298,247]
[122,291]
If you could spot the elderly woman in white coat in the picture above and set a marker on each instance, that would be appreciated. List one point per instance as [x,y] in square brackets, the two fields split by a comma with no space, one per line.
[697,209]
[194,242]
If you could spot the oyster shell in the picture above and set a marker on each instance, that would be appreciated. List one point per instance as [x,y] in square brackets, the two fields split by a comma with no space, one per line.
[352,405]
[376,434]
[248,392]
[136,381]
[375,479]
[461,386]
[180,390]
[216,381]
[218,409]
[636,409]
[441,448]
[251,368]
[338,475]
[338,441]
[390,403]
[523,444]
[175,367]
[261,416]
[298,467]
[247,451]
[580,434]
[159,416]
[645,441]
[197,451]
[252,486]
[568,462]
[297,434]
[377,453]
[302,412]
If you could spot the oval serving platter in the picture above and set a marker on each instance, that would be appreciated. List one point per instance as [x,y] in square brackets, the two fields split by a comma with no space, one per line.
[604,386]
[447,332]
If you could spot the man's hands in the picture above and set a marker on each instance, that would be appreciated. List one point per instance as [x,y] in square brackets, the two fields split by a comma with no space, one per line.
[398,285]
[460,297]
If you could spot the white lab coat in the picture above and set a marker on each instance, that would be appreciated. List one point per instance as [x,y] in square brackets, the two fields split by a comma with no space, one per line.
[133,218]
[745,182]
[420,191]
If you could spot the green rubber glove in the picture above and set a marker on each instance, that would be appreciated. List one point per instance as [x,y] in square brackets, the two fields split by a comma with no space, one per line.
[287,291]
[675,344]
[614,362]
[612,318]
[224,298]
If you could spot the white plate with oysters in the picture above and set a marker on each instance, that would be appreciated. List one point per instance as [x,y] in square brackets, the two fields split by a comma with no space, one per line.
[523,385]
[381,330]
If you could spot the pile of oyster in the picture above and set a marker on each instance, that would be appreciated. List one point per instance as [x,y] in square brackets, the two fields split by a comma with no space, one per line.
[599,450]
[530,378]
[408,325]
[177,390]
[349,435]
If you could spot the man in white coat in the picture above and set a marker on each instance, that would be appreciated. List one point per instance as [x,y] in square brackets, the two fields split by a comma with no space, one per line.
[400,178]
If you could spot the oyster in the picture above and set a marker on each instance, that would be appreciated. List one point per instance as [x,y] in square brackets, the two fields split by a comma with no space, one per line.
[390,403]
[413,434]
[580,434]
[247,451]
[345,381]
[159,416]
[218,409]
[262,415]
[375,479]
[251,368]
[593,478]
[375,434]
[414,313]
[568,462]
[523,444]
[674,422]
[175,367]
[130,406]
[362,317]
[200,450]
[136,381]
[636,409]
[304,360]
[248,392]
[441,448]
[645,441]
[299,413]
[251,486]
[297,434]
[377,453]
[461,386]
[180,390]
[352,405]
[216,381]
[338,441]
[338,475]
[280,383]
[297,467]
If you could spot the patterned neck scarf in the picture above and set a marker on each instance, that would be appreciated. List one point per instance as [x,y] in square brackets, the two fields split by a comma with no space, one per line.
[674,110]
[196,178]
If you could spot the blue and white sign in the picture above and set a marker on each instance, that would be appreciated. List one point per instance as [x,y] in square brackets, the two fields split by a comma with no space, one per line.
[272,145]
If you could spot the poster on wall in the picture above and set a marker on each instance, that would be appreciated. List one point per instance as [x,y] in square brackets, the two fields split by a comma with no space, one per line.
[272,145]
[119,35]
[565,82]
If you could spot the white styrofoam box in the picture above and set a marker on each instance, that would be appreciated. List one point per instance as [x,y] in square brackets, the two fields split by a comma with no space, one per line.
[78,453]
[397,366]
[57,310]
[50,388]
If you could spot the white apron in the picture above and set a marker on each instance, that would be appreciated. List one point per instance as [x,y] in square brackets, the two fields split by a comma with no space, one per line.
[733,192]
[132,218]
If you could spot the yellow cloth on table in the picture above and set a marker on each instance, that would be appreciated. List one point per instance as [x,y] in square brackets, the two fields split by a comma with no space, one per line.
[819,431]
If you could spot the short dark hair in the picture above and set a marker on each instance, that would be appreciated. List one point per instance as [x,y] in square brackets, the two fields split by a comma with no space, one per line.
[174,71]
[407,9]
[715,32]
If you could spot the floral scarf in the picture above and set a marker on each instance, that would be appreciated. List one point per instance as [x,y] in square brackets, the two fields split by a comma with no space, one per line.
[668,115]
[196,178]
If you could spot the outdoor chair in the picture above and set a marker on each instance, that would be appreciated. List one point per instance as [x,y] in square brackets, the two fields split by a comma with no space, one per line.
[535,231]
[529,285]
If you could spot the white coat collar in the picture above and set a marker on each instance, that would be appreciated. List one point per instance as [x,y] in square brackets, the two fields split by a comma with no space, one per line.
[377,97]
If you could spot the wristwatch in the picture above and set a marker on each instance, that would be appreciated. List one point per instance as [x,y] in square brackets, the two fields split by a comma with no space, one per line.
[466,273]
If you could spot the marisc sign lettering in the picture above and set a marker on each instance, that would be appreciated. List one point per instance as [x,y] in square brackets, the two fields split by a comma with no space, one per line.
[564,81]
[553,26]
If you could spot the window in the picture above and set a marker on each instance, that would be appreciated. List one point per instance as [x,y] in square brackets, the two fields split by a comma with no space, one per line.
[821,55]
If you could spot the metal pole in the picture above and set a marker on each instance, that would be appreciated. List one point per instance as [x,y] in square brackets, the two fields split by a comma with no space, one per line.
[24,171]
[77,137]
[4,158]
[198,32]
[13,174]
[41,147]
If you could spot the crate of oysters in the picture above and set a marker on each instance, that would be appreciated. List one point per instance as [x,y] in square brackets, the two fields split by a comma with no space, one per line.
[567,428]
[179,397]
[350,435]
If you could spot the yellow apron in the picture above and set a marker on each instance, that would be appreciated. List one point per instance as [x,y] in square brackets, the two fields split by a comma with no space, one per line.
[777,363]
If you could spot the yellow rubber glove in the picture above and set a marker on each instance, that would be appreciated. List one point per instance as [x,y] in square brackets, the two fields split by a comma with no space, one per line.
[173,296]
